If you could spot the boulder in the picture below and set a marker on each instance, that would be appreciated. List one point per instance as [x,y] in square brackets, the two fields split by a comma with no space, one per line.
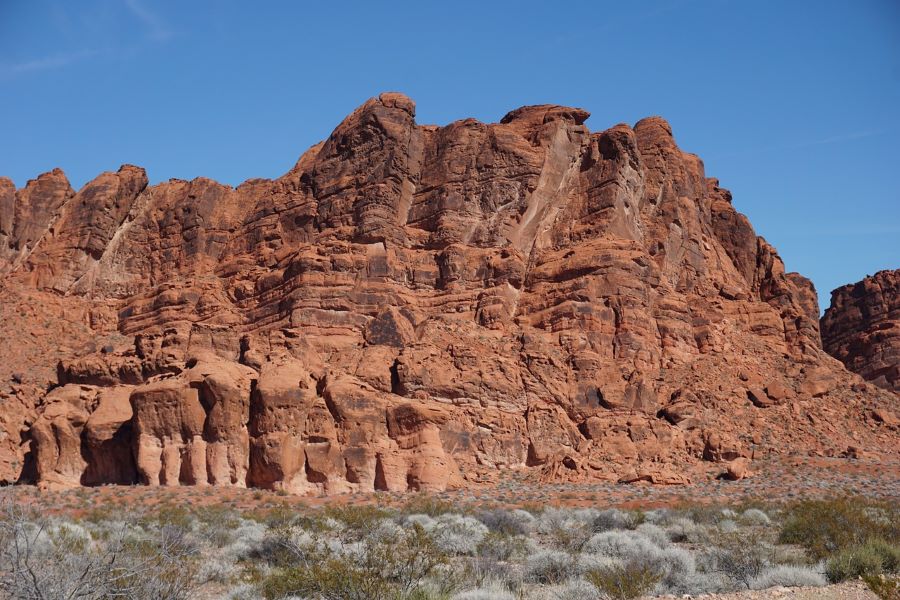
[721,447]
[737,469]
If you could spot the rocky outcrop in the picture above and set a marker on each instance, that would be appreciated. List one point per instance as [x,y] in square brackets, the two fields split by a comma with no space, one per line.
[414,307]
[861,328]
[83,436]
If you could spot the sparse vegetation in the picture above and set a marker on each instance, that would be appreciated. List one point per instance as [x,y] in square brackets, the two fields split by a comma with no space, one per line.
[872,558]
[624,582]
[424,550]
[825,527]
[787,576]
[885,587]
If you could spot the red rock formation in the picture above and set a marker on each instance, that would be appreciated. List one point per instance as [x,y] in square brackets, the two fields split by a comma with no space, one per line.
[413,307]
[861,328]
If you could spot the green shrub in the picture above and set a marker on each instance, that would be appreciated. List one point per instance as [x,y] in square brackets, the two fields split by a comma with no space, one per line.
[276,517]
[423,504]
[852,563]
[218,515]
[870,559]
[389,566]
[359,517]
[741,556]
[889,553]
[332,579]
[886,588]
[176,516]
[624,582]
[825,527]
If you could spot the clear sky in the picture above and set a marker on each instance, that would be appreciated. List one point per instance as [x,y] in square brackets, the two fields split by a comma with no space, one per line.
[793,105]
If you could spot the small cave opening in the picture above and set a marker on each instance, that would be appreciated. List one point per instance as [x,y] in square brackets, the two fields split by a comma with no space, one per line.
[396,385]
[312,475]
[380,479]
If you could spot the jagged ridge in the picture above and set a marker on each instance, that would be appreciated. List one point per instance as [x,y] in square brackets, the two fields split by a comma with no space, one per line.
[416,307]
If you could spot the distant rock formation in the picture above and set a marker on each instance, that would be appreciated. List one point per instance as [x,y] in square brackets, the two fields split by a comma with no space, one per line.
[862,328]
[413,307]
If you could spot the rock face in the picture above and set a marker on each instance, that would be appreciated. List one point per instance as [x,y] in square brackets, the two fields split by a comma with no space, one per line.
[861,328]
[413,307]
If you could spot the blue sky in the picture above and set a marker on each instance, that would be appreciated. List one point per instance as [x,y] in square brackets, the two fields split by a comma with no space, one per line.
[794,106]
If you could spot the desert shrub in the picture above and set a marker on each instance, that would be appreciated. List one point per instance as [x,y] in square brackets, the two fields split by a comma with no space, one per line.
[457,534]
[754,516]
[624,582]
[787,576]
[406,560]
[489,592]
[825,527]
[243,591]
[284,546]
[563,529]
[886,588]
[524,516]
[576,589]
[620,544]
[216,515]
[781,554]
[162,565]
[654,533]
[331,579]
[705,514]
[585,516]
[380,567]
[593,562]
[215,568]
[492,561]
[700,583]
[613,518]
[274,517]
[499,547]
[851,563]
[889,553]
[552,518]
[385,529]
[41,558]
[424,521]
[354,517]
[550,566]
[506,522]
[174,516]
[727,526]
[658,516]
[682,529]
[675,566]
[243,541]
[429,505]
[871,558]
[740,556]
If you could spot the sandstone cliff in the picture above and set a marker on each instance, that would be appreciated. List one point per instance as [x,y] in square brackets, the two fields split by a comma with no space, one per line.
[861,328]
[413,307]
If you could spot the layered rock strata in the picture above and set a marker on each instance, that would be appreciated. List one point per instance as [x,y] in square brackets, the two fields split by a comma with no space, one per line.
[414,307]
[861,328]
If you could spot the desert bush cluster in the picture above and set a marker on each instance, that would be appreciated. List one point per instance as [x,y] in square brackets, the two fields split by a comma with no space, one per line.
[431,550]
